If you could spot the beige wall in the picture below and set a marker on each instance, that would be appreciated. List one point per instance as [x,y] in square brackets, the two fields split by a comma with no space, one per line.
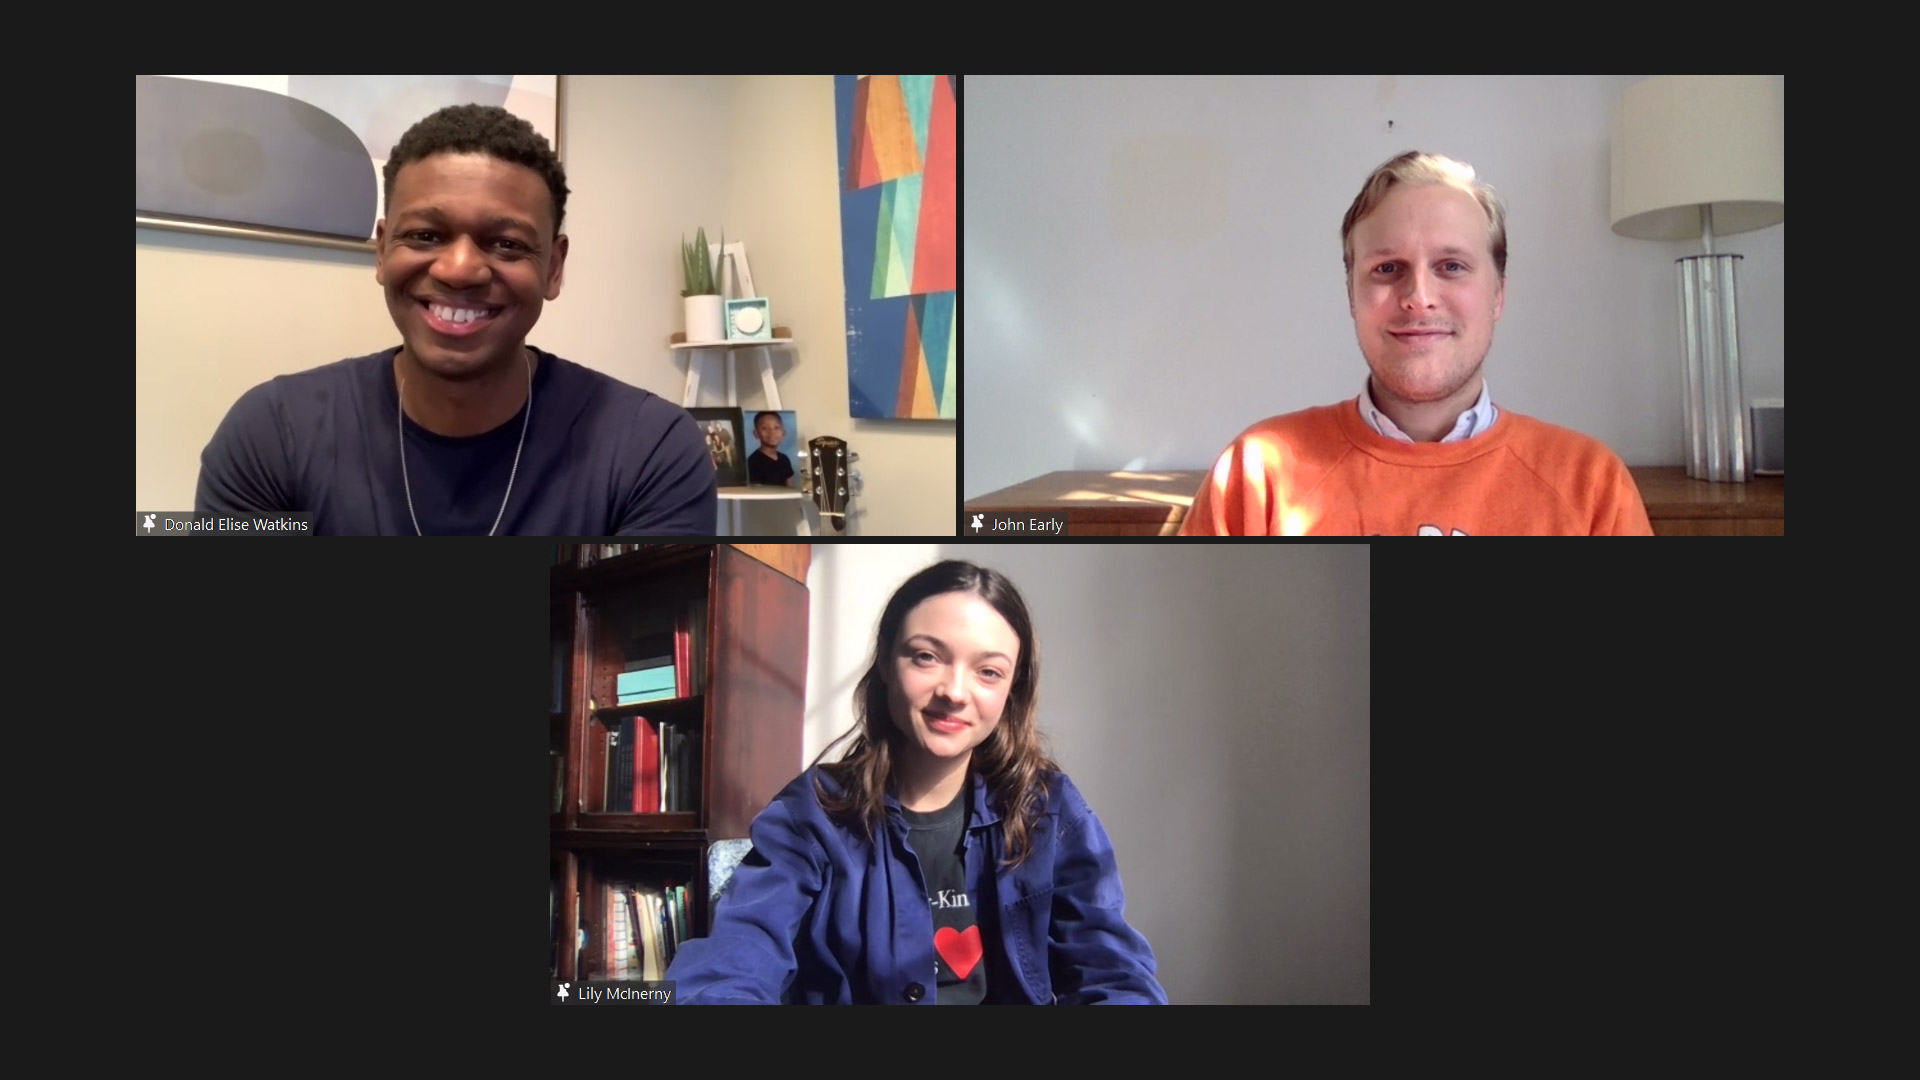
[648,158]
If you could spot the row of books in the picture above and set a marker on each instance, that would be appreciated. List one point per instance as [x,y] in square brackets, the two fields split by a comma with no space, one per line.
[652,678]
[644,928]
[664,649]
[650,766]
[653,766]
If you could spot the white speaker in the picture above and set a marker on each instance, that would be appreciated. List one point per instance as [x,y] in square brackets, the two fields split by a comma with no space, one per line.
[1769,437]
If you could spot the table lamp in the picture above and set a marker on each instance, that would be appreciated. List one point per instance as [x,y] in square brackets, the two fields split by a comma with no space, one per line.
[1696,155]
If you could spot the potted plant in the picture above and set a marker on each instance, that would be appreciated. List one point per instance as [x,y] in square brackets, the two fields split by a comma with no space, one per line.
[704,306]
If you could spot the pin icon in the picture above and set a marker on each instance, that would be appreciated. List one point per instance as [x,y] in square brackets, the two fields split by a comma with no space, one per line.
[149,525]
[978,523]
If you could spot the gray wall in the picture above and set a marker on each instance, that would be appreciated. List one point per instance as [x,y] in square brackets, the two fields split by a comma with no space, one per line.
[1212,703]
[1153,262]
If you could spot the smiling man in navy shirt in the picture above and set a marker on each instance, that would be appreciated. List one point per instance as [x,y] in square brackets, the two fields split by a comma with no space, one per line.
[464,428]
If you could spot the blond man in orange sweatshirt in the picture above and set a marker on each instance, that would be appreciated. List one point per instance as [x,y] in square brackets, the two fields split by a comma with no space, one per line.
[1423,450]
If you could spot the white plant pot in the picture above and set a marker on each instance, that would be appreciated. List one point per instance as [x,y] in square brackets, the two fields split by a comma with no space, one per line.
[704,318]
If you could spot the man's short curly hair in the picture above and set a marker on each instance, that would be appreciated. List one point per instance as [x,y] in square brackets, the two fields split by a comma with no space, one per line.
[482,129]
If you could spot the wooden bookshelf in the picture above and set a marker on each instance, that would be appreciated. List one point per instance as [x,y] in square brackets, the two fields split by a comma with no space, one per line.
[790,559]
[735,625]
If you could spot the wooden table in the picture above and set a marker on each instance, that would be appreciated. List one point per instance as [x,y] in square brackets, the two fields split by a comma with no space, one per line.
[1154,503]
[1103,503]
[1678,506]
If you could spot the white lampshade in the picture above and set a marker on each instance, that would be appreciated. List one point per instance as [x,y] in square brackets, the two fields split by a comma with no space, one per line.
[1681,142]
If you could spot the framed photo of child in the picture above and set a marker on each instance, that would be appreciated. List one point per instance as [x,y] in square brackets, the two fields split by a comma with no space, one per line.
[725,441]
[776,447]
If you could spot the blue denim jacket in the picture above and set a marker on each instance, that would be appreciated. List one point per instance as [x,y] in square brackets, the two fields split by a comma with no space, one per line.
[816,914]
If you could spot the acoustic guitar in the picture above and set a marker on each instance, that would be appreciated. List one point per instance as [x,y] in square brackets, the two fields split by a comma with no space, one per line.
[830,478]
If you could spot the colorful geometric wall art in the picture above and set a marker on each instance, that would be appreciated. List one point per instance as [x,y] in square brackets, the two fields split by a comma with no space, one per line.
[899,233]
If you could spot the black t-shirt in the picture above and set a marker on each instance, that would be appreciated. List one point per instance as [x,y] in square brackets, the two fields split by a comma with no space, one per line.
[775,470]
[937,837]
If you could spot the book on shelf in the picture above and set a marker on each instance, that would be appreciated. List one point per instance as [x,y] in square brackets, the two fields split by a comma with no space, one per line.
[635,962]
[650,928]
[653,680]
[615,758]
[675,758]
[643,924]
[673,920]
[646,766]
[632,767]
[668,786]
[662,938]
[671,767]
[646,959]
[690,647]
[636,912]
[619,948]
[682,654]
[631,748]
[671,943]
[559,779]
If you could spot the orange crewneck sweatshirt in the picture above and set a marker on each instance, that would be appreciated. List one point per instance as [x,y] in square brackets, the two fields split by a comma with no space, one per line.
[1323,471]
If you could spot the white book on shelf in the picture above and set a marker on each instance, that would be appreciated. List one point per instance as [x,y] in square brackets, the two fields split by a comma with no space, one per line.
[650,930]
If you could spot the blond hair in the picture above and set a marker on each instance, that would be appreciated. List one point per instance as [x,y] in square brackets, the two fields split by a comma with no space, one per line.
[1414,167]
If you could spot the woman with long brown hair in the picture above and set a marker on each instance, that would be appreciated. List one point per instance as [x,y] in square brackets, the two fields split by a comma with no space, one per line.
[945,857]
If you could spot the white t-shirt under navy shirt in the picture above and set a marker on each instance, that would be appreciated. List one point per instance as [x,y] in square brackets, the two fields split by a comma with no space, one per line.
[602,458]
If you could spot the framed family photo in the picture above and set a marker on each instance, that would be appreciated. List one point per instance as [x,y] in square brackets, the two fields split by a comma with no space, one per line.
[295,158]
[725,442]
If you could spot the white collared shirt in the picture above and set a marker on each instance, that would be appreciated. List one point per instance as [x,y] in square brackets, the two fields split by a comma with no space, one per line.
[1474,421]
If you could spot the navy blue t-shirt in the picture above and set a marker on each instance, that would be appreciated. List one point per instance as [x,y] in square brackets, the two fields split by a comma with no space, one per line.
[602,458]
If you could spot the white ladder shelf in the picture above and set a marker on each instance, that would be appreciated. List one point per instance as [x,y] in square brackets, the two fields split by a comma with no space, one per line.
[732,497]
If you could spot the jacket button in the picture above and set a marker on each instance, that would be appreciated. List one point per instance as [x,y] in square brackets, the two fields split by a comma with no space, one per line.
[915,991]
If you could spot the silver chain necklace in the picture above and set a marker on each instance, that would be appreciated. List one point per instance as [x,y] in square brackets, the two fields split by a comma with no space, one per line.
[516,452]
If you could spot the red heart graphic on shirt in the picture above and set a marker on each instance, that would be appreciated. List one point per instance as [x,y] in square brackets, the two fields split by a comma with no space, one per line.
[959,948]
